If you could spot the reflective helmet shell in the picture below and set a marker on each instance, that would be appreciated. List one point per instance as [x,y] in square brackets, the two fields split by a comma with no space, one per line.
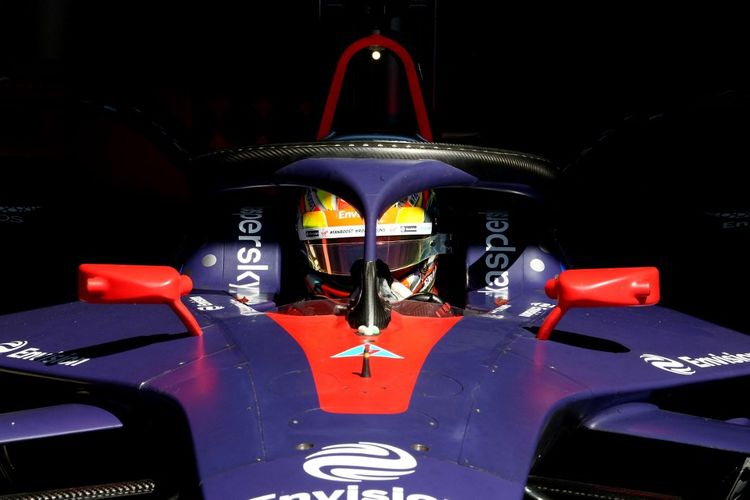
[332,232]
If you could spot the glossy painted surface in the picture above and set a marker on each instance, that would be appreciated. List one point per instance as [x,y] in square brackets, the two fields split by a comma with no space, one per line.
[481,400]
[59,420]
[455,407]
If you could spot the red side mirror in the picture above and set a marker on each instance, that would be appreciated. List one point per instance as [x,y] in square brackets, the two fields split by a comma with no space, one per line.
[617,287]
[123,284]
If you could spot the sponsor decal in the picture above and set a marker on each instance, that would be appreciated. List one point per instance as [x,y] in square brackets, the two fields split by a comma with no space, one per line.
[13,210]
[354,463]
[357,462]
[667,364]
[495,313]
[348,214]
[15,219]
[332,232]
[202,304]
[735,224]
[12,345]
[17,349]
[685,365]
[375,352]
[248,281]
[732,214]
[352,492]
[342,232]
[497,249]
[536,309]
[12,214]
[732,219]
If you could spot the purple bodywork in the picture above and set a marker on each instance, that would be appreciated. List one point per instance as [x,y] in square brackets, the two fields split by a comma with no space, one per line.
[488,400]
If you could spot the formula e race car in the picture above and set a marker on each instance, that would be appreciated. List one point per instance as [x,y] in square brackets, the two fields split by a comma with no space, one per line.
[295,356]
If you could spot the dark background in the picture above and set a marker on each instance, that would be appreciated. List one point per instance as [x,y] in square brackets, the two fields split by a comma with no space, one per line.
[544,80]
[644,110]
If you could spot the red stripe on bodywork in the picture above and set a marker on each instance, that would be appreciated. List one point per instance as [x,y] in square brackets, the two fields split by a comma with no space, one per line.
[341,388]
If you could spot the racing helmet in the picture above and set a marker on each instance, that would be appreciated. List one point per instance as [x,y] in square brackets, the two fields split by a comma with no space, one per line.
[332,235]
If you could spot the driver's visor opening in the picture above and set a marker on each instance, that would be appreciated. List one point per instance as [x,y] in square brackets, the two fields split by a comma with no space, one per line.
[338,256]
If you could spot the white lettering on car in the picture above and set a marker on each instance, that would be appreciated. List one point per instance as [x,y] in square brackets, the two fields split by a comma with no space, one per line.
[248,281]
[66,358]
[497,247]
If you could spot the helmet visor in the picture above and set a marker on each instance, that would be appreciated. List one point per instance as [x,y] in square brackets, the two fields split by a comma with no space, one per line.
[337,256]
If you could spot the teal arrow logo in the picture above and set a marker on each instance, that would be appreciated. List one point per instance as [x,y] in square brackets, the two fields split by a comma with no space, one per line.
[375,352]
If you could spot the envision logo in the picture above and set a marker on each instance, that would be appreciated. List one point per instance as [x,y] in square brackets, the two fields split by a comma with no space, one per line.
[667,364]
[12,345]
[69,358]
[356,462]
[710,360]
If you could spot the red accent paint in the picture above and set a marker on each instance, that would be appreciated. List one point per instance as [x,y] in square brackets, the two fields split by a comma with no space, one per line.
[332,292]
[550,322]
[128,284]
[615,287]
[417,100]
[340,386]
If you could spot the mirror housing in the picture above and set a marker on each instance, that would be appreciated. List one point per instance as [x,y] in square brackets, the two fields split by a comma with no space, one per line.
[133,284]
[614,287]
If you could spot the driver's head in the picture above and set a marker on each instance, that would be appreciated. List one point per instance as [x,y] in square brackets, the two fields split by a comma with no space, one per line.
[332,233]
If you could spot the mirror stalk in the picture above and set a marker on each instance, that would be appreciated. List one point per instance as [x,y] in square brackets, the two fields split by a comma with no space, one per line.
[132,284]
[615,287]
